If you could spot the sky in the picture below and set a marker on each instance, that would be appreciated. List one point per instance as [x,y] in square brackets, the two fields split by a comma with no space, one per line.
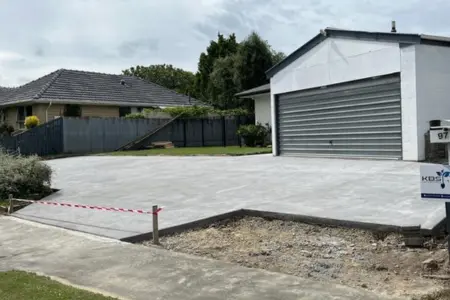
[40,36]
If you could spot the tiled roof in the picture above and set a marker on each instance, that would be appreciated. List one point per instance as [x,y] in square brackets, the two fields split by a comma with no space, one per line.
[71,86]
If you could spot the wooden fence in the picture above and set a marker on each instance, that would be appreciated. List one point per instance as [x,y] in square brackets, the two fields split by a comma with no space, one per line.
[95,135]
[46,139]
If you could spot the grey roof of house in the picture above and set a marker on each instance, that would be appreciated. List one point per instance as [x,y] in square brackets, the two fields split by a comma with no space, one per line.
[81,87]
[262,89]
[401,38]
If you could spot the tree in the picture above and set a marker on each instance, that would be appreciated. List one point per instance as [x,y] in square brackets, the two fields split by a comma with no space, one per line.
[277,57]
[176,79]
[254,57]
[223,47]
[222,84]
[222,73]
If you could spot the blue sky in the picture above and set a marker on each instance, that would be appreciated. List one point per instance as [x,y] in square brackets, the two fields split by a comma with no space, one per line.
[38,37]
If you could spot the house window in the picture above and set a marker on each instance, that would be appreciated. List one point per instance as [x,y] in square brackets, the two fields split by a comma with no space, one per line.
[123,111]
[72,110]
[23,112]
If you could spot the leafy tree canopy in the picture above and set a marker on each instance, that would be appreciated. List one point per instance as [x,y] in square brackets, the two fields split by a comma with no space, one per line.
[228,67]
[168,76]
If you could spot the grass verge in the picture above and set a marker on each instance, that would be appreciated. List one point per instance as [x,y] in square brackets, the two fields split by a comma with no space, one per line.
[192,151]
[18,285]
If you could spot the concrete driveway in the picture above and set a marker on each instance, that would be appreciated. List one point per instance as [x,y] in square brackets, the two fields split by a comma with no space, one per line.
[141,273]
[192,188]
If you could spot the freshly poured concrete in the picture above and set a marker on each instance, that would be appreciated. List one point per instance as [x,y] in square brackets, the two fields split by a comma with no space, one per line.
[192,188]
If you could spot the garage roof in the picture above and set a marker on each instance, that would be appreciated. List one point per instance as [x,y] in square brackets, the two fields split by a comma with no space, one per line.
[401,38]
[262,89]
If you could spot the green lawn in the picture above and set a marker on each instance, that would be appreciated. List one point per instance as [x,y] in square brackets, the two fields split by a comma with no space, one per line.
[18,285]
[232,150]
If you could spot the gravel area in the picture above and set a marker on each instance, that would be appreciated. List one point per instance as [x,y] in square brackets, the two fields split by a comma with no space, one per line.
[378,262]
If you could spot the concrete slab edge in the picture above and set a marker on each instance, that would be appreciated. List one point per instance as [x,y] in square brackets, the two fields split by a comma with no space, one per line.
[438,229]
[186,226]
[322,221]
[415,230]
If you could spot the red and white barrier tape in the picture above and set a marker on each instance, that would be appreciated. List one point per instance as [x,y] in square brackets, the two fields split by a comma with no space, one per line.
[139,211]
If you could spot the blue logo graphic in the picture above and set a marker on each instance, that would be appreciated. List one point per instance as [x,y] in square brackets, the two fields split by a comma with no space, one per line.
[443,174]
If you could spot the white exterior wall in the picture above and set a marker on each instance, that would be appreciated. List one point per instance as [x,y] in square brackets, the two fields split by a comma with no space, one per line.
[338,60]
[262,109]
[409,103]
[433,88]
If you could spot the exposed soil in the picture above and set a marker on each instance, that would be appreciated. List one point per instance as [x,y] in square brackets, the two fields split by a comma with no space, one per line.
[363,259]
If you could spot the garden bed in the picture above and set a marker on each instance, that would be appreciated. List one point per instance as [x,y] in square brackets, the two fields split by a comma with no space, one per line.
[351,257]
[4,204]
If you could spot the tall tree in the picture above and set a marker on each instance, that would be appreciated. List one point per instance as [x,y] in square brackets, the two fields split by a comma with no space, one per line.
[240,70]
[254,57]
[168,76]
[223,47]
[222,83]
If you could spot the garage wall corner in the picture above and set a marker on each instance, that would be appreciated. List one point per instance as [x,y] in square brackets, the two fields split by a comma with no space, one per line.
[274,124]
[409,103]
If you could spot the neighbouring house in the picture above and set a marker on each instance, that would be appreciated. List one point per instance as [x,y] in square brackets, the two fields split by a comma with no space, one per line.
[261,96]
[358,94]
[84,94]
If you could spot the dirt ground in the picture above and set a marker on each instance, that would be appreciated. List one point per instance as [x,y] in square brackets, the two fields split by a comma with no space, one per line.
[377,262]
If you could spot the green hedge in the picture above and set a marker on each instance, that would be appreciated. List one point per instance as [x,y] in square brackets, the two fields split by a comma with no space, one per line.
[189,112]
[23,177]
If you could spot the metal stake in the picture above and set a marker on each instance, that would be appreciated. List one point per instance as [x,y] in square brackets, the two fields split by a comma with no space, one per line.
[11,204]
[155,225]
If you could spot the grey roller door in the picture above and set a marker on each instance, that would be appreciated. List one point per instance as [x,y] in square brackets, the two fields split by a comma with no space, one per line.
[357,119]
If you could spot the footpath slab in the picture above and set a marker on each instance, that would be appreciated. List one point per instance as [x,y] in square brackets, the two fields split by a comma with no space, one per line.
[136,272]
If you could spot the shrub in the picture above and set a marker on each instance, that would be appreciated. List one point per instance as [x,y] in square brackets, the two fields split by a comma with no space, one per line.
[187,111]
[199,111]
[31,122]
[135,116]
[23,177]
[254,135]
[6,129]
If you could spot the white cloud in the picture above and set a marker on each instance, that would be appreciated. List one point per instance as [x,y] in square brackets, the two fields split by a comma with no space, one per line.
[111,35]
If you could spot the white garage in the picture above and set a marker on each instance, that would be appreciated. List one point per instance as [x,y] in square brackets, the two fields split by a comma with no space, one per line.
[360,94]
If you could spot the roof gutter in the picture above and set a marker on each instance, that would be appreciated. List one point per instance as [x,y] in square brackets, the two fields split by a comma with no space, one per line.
[256,93]
[85,102]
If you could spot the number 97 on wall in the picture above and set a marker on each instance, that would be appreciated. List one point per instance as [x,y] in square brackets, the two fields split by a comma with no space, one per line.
[440,136]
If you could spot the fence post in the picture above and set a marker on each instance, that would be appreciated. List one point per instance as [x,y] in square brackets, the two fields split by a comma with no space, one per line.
[238,124]
[184,133]
[11,204]
[224,133]
[155,231]
[203,132]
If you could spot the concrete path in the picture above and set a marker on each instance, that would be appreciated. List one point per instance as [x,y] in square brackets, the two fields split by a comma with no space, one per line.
[192,188]
[138,272]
